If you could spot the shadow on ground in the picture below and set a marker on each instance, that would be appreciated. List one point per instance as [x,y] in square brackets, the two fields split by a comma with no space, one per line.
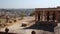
[46,26]
[6,33]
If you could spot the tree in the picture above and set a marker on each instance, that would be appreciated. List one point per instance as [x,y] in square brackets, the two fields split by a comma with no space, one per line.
[22,14]
[32,13]
[7,18]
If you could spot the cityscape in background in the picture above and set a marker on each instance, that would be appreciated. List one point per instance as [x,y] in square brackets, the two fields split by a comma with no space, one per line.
[29,16]
[35,21]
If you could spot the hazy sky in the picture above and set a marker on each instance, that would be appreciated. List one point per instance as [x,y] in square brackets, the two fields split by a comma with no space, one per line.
[28,3]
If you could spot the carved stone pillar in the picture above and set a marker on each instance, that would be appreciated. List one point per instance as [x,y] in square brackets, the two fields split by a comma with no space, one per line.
[35,15]
[43,19]
[39,16]
[54,16]
[48,16]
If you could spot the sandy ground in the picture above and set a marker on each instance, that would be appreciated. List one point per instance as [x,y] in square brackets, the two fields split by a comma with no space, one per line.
[17,25]
[15,28]
[57,29]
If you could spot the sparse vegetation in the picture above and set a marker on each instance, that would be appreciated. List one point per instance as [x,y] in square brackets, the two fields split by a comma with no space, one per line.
[7,14]
[14,20]
[10,21]
[2,22]
[24,25]
[33,13]
[22,14]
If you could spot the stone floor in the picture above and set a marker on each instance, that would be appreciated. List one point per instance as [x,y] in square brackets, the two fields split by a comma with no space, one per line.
[57,29]
[28,31]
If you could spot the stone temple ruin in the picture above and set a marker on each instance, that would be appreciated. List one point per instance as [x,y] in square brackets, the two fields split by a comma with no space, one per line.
[47,17]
